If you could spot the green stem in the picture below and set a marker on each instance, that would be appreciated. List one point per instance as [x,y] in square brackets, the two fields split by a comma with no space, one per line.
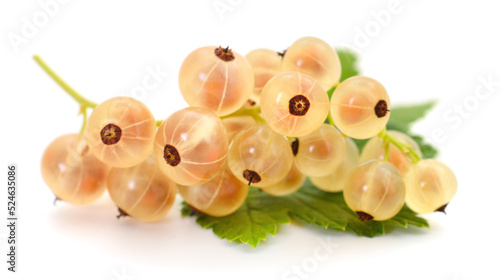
[159,122]
[253,112]
[386,147]
[84,102]
[400,145]
[330,119]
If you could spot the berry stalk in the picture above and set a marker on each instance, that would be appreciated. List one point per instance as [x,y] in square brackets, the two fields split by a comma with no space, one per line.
[158,123]
[401,146]
[330,119]
[386,147]
[84,102]
[253,112]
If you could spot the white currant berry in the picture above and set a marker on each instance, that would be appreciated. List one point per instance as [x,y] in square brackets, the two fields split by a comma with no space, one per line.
[315,58]
[294,104]
[216,78]
[259,156]
[265,64]
[292,182]
[430,185]
[142,191]
[121,131]
[320,152]
[335,181]
[360,107]
[375,190]
[221,196]
[191,146]
[72,172]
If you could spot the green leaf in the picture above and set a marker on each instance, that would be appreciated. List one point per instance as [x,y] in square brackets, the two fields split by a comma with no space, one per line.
[261,214]
[402,117]
[348,62]
[258,217]
[428,151]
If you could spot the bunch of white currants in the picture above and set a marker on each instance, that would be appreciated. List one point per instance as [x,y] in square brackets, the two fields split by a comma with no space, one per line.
[254,121]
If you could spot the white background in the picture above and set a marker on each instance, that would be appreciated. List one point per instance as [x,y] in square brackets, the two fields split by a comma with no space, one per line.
[424,50]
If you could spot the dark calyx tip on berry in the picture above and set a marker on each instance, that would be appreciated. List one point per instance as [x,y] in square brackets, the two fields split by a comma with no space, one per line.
[111,134]
[121,213]
[364,217]
[442,208]
[298,105]
[251,102]
[193,211]
[171,155]
[381,109]
[295,146]
[282,54]
[224,54]
[251,176]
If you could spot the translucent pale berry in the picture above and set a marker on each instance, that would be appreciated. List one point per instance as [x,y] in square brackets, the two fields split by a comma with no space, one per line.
[375,149]
[72,172]
[335,181]
[360,107]
[234,125]
[294,104]
[320,152]
[259,156]
[314,57]
[375,190]
[218,197]
[142,191]
[292,182]
[430,185]
[216,78]
[265,64]
[191,146]
[121,131]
